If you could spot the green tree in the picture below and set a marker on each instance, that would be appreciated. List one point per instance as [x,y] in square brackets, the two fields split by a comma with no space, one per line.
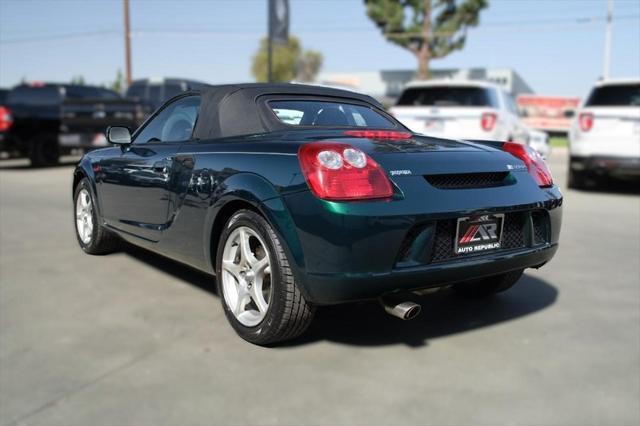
[118,83]
[289,62]
[430,29]
[78,79]
[309,64]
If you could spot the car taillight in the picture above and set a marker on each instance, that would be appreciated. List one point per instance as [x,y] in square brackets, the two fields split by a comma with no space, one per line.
[488,121]
[6,119]
[337,171]
[586,121]
[535,164]
[378,134]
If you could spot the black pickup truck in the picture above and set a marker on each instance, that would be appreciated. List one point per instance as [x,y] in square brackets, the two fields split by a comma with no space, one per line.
[85,120]
[6,120]
[31,115]
[152,93]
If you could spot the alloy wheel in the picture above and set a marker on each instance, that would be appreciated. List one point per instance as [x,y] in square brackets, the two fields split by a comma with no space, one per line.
[84,216]
[246,276]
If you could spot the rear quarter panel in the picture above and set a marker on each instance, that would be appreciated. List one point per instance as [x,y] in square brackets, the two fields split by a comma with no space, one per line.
[220,173]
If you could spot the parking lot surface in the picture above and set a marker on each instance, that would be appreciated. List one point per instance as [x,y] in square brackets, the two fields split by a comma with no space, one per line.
[135,339]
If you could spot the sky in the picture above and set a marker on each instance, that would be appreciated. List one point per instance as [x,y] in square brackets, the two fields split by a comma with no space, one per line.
[555,45]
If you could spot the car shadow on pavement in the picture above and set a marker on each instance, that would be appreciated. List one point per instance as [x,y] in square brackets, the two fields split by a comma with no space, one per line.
[443,314]
[367,324]
[178,270]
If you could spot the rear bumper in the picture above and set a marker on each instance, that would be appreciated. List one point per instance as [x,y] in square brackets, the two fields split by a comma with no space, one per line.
[606,165]
[93,140]
[8,143]
[338,288]
[357,251]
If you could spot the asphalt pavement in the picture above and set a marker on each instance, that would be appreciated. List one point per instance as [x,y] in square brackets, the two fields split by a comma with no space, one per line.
[135,339]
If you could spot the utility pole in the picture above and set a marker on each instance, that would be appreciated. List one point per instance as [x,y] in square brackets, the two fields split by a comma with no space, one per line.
[607,41]
[127,43]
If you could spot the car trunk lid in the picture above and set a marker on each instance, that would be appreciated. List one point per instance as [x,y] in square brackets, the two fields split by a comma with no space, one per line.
[422,155]
[614,121]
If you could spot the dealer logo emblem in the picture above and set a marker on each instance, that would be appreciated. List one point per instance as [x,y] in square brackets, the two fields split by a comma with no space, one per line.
[479,233]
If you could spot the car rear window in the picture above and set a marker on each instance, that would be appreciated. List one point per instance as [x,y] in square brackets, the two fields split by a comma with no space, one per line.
[328,114]
[444,96]
[615,95]
[89,92]
[35,95]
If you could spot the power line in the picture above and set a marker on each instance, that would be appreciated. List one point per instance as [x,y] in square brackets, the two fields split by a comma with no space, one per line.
[69,36]
[141,32]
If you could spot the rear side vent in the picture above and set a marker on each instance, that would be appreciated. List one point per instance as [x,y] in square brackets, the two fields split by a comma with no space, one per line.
[469,180]
[540,220]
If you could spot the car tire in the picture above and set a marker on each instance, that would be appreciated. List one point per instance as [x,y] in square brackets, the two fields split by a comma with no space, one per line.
[577,180]
[484,287]
[90,233]
[44,151]
[287,314]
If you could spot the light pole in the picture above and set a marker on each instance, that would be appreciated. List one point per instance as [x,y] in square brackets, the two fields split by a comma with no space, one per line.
[607,41]
[278,29]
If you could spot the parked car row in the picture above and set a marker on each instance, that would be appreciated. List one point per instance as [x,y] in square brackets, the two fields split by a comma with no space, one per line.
[42,121]
[604,138]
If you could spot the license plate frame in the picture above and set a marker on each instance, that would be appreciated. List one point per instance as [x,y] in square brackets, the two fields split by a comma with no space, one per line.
[478,234]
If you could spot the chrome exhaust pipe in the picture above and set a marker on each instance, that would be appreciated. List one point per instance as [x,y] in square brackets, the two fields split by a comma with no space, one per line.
[404,310]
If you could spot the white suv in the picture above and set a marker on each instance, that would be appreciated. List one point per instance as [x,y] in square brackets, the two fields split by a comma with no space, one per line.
[462,109]
[604,139]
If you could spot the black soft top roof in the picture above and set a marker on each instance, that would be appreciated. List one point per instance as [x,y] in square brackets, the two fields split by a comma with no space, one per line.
[235,110]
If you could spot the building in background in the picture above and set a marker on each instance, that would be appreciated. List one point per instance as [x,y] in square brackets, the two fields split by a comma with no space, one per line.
[386,85]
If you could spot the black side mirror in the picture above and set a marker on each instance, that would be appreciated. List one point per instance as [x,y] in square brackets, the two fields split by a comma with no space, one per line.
[118,135]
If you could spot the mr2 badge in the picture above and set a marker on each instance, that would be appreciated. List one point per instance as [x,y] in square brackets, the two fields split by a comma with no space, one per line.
[478,233]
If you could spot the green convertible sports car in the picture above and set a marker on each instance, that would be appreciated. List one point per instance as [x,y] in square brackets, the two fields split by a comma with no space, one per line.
[298,196]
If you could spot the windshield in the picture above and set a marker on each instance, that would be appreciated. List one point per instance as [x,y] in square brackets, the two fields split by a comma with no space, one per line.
[615,95]
[328,114]
[443,96]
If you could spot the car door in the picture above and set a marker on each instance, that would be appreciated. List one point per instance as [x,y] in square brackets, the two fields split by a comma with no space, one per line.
[135,184]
